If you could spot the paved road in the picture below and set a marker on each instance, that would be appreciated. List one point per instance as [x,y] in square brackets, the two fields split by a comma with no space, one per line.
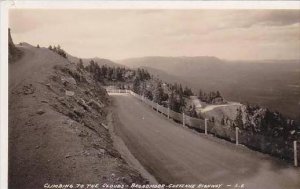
[173,154]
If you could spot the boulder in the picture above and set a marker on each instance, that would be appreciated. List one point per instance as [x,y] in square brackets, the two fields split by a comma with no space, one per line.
[95,105]
[40,111]
[68,80]
[82,103]
[70,93]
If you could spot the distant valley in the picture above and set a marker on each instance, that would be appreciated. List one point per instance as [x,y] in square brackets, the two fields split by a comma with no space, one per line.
[270,83]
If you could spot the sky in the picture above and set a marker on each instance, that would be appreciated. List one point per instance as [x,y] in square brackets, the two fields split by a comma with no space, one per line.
[120,34]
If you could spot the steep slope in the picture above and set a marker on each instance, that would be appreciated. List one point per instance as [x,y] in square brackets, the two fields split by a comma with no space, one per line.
[57,119]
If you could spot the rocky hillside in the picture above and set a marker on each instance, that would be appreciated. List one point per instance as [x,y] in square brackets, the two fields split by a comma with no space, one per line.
[13,52]
[58,122]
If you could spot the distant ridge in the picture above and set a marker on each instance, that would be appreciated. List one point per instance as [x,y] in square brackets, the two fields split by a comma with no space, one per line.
[100,61]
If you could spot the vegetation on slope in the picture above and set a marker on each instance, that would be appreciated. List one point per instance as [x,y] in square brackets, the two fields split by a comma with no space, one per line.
[249,118]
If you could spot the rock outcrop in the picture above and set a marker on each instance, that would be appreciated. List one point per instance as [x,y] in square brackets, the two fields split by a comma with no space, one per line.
[13,52]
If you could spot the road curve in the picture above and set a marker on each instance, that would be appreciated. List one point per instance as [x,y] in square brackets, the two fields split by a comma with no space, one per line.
[173,154]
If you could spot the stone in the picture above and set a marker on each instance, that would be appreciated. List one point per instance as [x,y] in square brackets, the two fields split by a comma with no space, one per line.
[94,104]
[67,156]
[82,103]
[70,80]
[28,89]
[102,151]
[70,93]
[40,111]
[44,101]
[79,112]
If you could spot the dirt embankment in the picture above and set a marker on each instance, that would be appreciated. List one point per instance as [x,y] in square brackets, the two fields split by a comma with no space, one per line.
[57,115]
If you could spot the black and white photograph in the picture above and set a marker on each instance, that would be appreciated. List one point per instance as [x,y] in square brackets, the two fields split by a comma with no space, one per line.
[152,96]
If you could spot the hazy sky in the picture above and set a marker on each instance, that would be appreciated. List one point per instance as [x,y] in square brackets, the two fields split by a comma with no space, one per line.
[117,34]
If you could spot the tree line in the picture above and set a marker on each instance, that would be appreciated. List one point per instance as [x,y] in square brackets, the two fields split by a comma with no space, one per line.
[141,82]
[57,49]
[211,97]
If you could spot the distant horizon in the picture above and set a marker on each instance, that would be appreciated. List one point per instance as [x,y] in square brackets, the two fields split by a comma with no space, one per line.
[154,56]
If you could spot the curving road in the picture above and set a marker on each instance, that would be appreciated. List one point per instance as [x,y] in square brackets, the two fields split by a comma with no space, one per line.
[173,154]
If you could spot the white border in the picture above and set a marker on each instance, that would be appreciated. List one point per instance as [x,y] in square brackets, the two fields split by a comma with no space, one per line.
[6,5]
[157,4]
[4,96]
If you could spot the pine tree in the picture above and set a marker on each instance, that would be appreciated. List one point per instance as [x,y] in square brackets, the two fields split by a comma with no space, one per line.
[200,95]
[223,121]
[213,119]
[80,64]
[171,101]
[136,85]
[238,122]
[158,93]
[193,112]
[187,92]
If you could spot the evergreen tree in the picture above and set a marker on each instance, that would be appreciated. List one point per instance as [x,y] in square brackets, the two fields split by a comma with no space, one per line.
[80,64]
[171,101]
[158,93]
[213,119]
[136,85]
[187,92]
[238,122]
[192,112]
[223,121]
[200,95]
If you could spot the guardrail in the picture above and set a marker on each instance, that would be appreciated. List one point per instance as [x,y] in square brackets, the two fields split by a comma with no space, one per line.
[275,146]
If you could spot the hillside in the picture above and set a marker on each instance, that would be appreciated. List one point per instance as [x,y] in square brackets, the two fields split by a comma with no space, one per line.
[271,83]
[58,117]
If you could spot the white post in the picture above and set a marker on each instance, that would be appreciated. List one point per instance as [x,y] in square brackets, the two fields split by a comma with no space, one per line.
[236,135]
[295,154]
[168,112]
[157,107]
[205,124]
[183,119]
[119,90]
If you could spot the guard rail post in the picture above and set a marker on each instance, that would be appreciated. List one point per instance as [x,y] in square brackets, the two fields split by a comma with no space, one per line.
[183,119]
[205,125]
[236,135]
[295,154]
[168,112]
